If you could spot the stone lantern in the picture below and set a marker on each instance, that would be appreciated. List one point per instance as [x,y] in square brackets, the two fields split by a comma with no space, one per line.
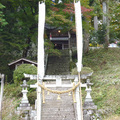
[24,104]
[89,107]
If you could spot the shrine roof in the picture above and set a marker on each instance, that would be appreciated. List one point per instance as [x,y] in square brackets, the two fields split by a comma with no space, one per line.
[12,64]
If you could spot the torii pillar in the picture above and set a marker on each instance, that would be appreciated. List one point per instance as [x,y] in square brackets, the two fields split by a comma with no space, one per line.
[40,70]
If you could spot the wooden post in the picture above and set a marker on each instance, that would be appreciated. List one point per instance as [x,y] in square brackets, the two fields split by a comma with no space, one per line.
[39,100]
[80,96]
[78,19]
[78,104]
[40,57]
[1,94]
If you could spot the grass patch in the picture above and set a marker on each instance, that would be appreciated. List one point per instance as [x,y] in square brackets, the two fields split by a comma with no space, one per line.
[106,79]
[112,117]
[8,109]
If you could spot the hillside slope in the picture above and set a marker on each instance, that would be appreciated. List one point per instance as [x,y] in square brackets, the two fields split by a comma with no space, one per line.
[106,79]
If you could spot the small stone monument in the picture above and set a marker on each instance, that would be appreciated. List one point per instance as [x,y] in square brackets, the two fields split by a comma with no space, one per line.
[88,89]
[24,107]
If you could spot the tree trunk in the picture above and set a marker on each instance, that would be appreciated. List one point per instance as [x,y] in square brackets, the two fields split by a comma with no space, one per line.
[25,51]
[86,42]
[96,23]
[108,24]
[104,12]
[106,21]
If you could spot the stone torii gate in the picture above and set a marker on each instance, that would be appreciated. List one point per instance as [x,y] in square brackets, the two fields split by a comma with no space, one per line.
[58,83]
[89,107]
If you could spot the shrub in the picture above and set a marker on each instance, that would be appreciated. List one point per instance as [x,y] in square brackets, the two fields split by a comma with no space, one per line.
[84,71]
[11,91]
[32,97]
[117,111]
[72,65]
[118,44]
[18,74]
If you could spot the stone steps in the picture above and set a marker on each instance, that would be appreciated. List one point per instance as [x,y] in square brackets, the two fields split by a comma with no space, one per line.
[58,65]
[55,109]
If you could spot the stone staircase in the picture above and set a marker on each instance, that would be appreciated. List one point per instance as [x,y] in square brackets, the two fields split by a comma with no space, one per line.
[55,109]
[58,65]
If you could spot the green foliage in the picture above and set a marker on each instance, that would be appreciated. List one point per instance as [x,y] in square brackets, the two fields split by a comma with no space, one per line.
[32,96]
[2,19]
[118,44]
[11,91]
[117,111]
[49,48]
[58,18]
[97,7]
[115,18]
[74,56]
[84,71]
[4,68]
[21,31]
[18,74]
[72,65]
[98,37]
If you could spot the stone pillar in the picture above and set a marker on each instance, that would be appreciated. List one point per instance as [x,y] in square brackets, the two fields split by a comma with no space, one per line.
[58,82]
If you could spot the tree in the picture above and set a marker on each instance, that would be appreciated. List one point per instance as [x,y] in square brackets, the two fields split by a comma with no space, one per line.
[59,15]
[114,20]
[105,6]
[86,25]
[21,33]
[96,12]
[22,26]
[2,19]
[63,15]
[105,24]
[18,74]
